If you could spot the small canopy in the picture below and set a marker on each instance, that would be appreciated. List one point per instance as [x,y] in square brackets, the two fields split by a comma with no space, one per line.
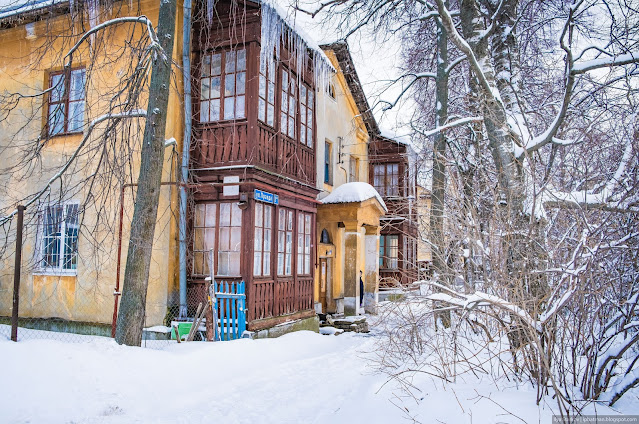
[353,193]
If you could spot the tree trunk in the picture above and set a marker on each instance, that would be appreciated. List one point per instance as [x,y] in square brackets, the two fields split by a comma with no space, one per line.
[439,168]
[439,157]
[136,275]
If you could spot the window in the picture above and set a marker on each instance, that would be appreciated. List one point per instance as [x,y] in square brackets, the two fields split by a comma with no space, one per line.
[353,169]
[303,243]
[289,104]
[388,251]
[203,236]
[328,165]
[59,230]
[230,242]
[284,242]
[262,241]
[66,101]
[410,252]
[223,86]
[306,115]
[225,224]
[386,179]
[331,90]
[266,111]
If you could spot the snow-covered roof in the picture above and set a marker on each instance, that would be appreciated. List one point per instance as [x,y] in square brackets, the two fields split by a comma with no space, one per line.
[14,8]
[352,193]
[392,135]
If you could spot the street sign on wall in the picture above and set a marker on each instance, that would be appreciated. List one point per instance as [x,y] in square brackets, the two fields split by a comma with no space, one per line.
[265,196]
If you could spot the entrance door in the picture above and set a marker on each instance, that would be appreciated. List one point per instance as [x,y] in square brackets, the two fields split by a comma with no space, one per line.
[323,282]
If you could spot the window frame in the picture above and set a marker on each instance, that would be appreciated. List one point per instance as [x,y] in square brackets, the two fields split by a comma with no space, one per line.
[307,115]
[291,92]
[328,162]
[304,242]
[353,169]
[386,260]
[65,100]
[265,265]
[267,96]
[387,188]
[284,247]
[61,240]
[223,75]
[217,230]
[409,256]
[196,228]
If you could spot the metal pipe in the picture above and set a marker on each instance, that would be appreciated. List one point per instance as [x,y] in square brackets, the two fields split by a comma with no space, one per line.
[16,274]
[116,291]
[186,148]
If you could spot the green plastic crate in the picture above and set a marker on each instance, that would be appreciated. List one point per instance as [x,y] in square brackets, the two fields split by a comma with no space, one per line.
[183,328]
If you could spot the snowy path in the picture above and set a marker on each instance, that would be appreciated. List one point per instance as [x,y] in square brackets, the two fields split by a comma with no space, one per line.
[298,378]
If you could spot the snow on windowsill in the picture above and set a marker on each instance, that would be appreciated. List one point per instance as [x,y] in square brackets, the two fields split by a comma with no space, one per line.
[56,272]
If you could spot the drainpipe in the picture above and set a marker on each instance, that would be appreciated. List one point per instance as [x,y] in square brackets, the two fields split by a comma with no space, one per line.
[186,148]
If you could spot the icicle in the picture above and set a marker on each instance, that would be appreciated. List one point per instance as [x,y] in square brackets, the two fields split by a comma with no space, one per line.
[93,10]
[275,29]
[210,7]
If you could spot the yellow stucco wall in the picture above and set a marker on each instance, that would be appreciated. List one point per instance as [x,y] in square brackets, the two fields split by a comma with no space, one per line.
[339,122]
[343,220]
[424,252]
[339,119]
[24,68]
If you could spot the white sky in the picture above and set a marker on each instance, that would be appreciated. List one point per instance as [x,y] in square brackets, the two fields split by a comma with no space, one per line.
[377,63]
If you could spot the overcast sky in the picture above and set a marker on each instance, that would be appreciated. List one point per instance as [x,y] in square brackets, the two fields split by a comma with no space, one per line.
[377,62]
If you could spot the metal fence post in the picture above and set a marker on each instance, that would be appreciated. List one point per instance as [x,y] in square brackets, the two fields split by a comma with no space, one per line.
[16,274]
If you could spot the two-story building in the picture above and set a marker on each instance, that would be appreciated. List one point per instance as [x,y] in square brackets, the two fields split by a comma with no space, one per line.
[393,174]
[277,177]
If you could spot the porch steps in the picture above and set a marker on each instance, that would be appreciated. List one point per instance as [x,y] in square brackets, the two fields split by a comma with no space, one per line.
[355,324]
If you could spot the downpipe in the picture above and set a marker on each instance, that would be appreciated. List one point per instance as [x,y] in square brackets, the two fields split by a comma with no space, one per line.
[186,148]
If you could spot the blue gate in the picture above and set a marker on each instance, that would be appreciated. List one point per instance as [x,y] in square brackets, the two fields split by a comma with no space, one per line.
[229,304]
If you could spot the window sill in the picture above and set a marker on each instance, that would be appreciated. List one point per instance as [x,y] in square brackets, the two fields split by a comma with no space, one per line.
[57,272]
[58,138]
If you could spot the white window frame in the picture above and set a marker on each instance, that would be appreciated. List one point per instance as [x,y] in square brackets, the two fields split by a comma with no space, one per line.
[57,270]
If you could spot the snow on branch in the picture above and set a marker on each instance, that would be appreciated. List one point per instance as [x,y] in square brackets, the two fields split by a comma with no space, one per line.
[607,62]
[477,299]
[415,77]
[155,44]
[453,124]
[603,199]
[137,113]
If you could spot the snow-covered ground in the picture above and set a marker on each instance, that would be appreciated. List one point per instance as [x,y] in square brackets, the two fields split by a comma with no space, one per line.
[298,378]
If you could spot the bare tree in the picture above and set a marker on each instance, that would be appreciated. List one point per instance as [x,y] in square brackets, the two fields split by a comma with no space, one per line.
[536,177]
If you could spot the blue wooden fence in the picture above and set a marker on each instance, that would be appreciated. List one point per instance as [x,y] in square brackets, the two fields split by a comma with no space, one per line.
[229,303]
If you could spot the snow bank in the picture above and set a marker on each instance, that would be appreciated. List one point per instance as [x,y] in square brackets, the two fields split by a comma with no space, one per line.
[352,193]
[301,377]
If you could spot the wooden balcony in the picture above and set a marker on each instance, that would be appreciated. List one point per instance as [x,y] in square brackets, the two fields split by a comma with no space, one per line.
[229,144]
